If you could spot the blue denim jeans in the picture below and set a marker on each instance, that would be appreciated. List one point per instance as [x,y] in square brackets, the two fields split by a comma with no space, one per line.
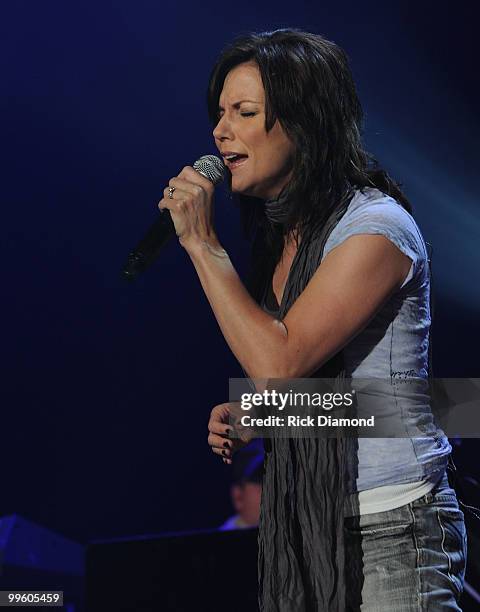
[410,558]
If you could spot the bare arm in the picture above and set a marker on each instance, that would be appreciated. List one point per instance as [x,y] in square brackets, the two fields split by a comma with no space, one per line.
[352,283]
[257,339]
[348,288]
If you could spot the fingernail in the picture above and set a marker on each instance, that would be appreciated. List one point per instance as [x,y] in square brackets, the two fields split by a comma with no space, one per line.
[226,445]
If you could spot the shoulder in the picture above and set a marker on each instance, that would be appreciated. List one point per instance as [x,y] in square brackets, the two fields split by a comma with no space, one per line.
[373,212]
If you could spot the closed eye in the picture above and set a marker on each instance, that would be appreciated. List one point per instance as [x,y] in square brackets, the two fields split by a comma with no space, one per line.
[248,114]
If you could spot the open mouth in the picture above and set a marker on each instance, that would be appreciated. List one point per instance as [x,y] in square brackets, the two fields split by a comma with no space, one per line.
[234,160]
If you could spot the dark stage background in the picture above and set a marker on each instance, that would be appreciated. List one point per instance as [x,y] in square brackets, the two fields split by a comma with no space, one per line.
[107,387]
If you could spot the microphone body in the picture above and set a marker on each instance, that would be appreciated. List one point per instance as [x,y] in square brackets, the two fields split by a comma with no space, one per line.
[159,234]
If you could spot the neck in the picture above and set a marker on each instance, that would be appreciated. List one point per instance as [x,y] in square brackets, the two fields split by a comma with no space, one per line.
[276,209]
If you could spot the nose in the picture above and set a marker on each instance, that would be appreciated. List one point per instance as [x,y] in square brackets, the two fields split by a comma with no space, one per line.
[223,129]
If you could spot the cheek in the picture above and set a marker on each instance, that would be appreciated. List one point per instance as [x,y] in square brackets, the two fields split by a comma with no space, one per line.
[278,160]
[255,137]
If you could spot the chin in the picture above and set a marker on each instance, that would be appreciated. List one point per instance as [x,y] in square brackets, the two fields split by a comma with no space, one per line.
[240,190]
[249,191]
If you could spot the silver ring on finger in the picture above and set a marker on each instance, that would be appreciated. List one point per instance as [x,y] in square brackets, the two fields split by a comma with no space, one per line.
[170,192]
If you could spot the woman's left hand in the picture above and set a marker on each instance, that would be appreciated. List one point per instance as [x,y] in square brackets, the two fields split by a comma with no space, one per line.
[191,207]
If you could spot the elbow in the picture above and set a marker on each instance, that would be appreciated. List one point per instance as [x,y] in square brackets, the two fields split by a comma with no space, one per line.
[280,370]
[268,367]
[291,368]
[277,360]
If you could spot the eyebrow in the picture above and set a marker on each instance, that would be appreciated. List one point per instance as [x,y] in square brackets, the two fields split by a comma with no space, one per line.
[237,104]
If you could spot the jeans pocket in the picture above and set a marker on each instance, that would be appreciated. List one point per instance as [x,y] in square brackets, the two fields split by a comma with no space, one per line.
[453,544]
[367,527]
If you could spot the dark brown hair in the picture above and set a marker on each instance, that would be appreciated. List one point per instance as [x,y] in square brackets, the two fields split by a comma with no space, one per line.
[310,90]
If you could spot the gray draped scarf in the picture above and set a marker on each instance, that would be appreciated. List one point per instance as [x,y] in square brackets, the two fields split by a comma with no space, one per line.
[301,546]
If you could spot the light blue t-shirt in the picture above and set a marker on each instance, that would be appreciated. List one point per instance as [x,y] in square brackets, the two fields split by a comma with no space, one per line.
[394,347]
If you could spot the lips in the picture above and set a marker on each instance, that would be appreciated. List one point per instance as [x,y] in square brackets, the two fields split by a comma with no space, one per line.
[233,159]
[238,162]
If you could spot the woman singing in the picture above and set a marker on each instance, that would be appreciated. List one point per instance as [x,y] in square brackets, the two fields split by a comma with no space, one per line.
[339,289]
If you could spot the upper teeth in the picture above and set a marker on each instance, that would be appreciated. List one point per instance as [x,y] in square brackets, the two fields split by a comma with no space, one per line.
[231,156]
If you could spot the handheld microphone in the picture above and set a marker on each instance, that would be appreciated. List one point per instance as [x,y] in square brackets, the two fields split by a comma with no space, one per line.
[148,249]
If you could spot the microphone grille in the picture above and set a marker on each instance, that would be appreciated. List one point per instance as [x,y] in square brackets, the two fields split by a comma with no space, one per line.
[212,168]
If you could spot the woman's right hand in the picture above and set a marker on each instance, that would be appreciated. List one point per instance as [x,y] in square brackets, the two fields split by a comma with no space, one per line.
[221,430]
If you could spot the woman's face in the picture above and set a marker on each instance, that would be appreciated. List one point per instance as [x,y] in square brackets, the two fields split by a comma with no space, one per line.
[265,161]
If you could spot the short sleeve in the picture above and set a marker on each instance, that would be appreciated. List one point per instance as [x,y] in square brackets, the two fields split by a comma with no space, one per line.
[384,216]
